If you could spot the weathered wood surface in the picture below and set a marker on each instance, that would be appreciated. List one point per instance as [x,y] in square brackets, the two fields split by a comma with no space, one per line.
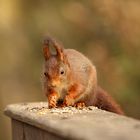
[24,131]
[33,121]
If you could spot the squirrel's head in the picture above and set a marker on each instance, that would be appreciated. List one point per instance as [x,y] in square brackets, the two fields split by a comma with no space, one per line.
[56,68]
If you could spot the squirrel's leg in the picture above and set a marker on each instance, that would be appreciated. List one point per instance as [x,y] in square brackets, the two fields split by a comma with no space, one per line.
[73,93]
[52,98]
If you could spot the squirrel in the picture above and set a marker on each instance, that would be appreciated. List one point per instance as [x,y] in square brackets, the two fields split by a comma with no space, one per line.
[70,79]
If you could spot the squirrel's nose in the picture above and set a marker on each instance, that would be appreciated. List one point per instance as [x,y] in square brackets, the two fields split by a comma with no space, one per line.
[54,83]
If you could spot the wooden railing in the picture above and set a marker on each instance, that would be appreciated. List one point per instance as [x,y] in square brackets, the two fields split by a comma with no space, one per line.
[34,121]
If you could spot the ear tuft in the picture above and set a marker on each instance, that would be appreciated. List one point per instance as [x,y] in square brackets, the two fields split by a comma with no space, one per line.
[46,51]
[48,41]
[59,49]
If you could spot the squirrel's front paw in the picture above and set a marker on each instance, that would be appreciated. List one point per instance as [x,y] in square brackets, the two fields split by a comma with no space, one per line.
[69,101]
[52,99]
[79,105]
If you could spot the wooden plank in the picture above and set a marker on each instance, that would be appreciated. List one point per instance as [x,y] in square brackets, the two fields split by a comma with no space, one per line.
[17,130]
[23,131]
[34,133]
[41,123]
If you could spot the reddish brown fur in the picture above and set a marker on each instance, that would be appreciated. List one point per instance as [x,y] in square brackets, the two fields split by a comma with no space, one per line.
[52,98]
[79,82]
[104,101]
[73,91]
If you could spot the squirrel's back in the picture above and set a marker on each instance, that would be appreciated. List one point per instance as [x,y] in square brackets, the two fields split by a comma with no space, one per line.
[77,57]
[81,66]
[83,72]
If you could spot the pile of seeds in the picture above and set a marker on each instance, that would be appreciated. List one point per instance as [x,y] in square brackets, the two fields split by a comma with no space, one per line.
[64,110]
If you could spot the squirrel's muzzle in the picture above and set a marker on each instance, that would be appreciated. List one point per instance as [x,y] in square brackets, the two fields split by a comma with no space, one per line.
[55,83]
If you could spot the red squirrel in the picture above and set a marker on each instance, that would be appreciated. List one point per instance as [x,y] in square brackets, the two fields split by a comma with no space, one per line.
[70,79]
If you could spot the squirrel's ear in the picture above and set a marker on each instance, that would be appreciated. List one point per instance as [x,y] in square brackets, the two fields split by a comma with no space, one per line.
[46,50]
[59,49]
[60,52]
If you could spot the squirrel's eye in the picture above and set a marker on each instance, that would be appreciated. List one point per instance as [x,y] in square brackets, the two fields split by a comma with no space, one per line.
[62,72]
[45,74]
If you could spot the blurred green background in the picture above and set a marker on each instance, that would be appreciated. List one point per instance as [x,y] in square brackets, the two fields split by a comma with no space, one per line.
[106,31]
